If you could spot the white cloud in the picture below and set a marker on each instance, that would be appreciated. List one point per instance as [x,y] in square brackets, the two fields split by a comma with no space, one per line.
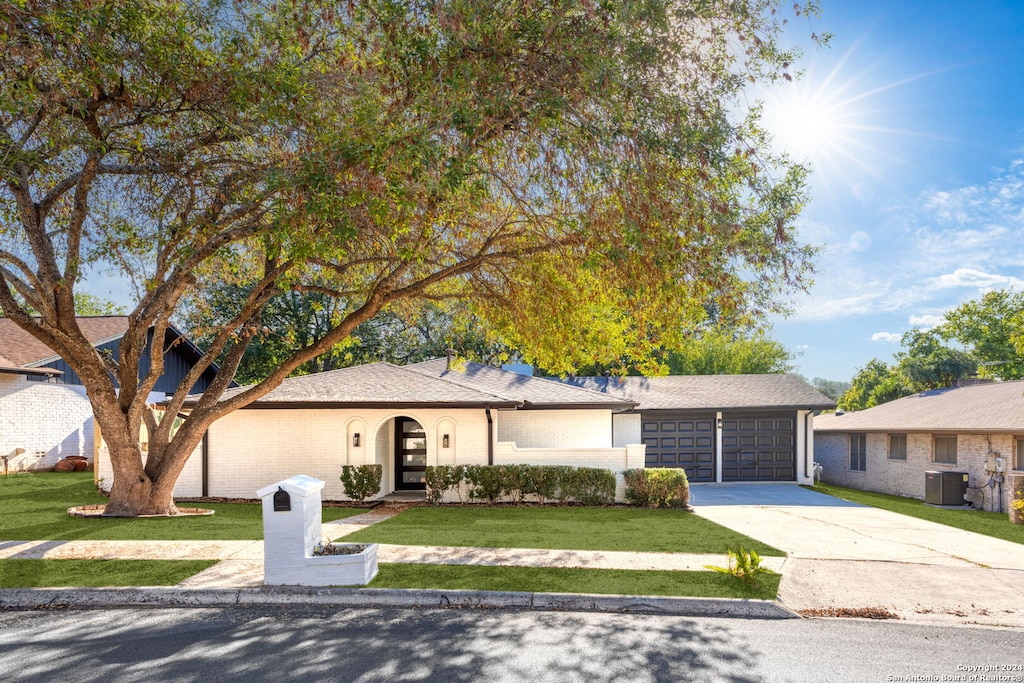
[885,336]
[927,321]
[804,347]
[971,277]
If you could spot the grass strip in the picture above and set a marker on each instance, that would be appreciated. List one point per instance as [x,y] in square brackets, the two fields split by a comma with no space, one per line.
[559,528]
[704,584]
[994,524]
[93,573]
[33,507]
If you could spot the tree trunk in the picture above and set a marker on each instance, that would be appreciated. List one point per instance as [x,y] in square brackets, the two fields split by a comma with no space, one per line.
[133,493]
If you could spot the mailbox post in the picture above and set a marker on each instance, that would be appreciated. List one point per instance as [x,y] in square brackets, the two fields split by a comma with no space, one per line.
[292,528]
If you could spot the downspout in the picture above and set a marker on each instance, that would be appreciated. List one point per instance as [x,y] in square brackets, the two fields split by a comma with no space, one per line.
[808,446]
[490,435]
[206,463]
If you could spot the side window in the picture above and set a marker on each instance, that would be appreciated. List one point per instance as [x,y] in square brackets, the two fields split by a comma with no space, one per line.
[944,449]
[1018,454]
[858,452]
[897,446]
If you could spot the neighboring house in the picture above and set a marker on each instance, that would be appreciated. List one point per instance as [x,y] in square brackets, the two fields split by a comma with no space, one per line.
[721,428]
[975,429]
[404,418]
[45,414]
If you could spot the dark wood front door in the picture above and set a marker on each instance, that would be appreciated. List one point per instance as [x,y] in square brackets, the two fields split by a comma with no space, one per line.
[410,455]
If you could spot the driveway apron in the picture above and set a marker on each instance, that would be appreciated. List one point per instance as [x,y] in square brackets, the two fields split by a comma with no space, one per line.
[846,556]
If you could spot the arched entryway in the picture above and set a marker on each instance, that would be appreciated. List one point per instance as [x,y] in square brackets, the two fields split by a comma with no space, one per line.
[410,455]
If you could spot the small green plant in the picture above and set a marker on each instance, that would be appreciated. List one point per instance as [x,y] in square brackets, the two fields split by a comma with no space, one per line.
[590,485]
[541,481]
[487,482]
[745,566]
[361,481]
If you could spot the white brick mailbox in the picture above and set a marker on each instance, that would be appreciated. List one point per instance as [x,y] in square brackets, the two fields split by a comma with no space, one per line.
[292,530]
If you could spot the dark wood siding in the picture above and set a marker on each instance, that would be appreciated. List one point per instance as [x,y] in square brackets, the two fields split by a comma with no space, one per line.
[178,360]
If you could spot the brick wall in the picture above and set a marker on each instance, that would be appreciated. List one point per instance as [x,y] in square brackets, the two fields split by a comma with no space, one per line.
[54,420]
[907,477]
[556,428]
[626,429]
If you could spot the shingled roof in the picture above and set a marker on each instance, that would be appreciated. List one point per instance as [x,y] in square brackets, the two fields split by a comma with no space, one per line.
[530,392]
[377,384]
[21,349]
[980,408]
[710,392]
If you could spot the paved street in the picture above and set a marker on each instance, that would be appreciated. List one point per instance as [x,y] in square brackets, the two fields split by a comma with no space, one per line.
[364,645]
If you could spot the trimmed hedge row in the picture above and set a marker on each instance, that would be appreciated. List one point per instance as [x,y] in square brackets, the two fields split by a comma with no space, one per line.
[490,483]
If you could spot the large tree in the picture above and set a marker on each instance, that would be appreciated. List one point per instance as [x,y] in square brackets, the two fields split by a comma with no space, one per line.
[990,327]
[581,171]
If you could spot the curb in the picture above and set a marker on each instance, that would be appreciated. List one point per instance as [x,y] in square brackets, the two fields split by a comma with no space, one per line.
[42,598]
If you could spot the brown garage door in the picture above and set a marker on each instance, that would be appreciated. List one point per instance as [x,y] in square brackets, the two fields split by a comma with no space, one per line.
[680,440]
[758,447]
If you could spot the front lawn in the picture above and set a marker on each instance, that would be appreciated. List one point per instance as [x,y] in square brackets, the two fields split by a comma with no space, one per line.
[995,524]
[564,528]
[92,573]
[33,507]
[561,580]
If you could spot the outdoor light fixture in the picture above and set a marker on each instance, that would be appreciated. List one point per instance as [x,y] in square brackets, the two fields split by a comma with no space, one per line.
[719,423]
[444,441]
[355,439]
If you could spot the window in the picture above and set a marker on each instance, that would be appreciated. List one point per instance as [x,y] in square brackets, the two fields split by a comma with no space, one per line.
[945,449]
[858,451]
[1018,459]
[897,446]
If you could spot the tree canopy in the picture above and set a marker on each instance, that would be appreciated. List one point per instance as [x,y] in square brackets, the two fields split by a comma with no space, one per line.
[582,174]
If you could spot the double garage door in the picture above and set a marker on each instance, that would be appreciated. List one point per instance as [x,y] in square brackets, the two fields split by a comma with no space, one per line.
[755,447]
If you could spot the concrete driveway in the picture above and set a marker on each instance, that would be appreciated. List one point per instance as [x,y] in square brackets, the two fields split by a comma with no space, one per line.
[844,555]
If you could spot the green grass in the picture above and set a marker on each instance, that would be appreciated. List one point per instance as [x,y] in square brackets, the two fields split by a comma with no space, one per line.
[34,507]
[54,573]
[562,528]
[995,524]
[560,580]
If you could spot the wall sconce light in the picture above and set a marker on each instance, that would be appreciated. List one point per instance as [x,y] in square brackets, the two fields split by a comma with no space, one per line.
[718,423]
[445,441]
[355,439]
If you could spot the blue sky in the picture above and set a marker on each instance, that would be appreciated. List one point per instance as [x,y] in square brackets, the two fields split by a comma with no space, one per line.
[913,119]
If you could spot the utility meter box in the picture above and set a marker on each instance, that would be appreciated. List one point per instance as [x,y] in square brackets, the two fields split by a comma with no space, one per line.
[996,463]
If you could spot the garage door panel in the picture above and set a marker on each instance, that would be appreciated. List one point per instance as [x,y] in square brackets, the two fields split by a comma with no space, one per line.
[685,442]
[758,448]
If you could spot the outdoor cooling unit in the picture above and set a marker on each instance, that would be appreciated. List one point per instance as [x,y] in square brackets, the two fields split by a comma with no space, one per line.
[945,488]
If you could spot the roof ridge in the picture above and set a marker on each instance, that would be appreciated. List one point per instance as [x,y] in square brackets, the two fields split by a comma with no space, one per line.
[463,385]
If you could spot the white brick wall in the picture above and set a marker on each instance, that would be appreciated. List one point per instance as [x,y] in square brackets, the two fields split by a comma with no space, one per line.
[39,417]
[907,477]
[556,428]
[626,429]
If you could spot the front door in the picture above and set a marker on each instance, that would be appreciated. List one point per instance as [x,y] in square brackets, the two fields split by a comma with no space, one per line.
[410,455]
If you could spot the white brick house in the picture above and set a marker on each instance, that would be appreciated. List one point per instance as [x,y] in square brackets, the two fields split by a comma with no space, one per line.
[404,419]
[976,429]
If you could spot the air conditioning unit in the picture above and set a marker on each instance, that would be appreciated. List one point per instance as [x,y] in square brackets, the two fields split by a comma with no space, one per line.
[945,488]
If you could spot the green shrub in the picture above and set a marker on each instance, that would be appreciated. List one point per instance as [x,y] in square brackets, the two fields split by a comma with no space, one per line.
[657,487]
[361,481]
[513,481]
[486,482]
[589,485]
[541,481]
[443,478]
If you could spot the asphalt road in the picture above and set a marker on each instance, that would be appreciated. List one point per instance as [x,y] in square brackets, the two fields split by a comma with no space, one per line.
[316,644]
